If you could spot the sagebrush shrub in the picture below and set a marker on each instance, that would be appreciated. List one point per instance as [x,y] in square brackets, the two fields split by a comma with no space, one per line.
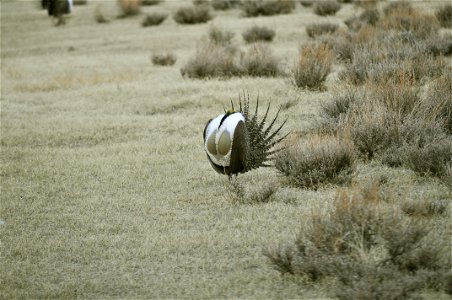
[444,15]
[254,8]
[398,7]
[314,30]
[258,33]
[154,19]
[259,60]
[163,59]
[437,45]
[326,8]
[438,102]
[220,36]
[307,3]
[258,194]
[151,2]
[213,60]
[224,4]
[423,25]
[99,16]
[129,7]
[313,66]
[193,15]
[324,160]
[371,248]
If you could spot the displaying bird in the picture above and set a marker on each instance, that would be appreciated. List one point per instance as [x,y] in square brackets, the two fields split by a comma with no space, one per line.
[237,142]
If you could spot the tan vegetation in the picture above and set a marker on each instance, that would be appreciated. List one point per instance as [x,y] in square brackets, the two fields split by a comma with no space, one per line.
[193,15]
[326,8]
[154,19]
[258,33]
[106,191]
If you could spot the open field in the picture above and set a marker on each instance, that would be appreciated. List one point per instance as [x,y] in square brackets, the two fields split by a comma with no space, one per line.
[106,191]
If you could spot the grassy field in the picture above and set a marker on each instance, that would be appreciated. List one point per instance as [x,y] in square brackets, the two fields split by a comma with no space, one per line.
[105,187]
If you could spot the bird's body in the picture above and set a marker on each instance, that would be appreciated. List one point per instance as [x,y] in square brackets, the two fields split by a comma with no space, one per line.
[236,142]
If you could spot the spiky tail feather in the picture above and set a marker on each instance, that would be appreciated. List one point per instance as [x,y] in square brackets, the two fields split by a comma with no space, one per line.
[261,139]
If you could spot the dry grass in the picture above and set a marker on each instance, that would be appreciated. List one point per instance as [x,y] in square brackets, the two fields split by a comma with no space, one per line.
[313,66]
[444,15]
[106,191]
[129,7]
[164,59]
[314,30]
[254,8]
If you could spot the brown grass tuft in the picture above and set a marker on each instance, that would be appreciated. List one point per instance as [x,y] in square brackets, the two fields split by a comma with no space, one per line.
[164,59]
[129,7]
[219,36]
[313,66]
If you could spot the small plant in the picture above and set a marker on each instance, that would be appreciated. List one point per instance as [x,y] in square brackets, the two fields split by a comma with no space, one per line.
[306,3]
[259,61]
[151,2]
[80,2]
[213,60]
[314,30]
[313,66]
[221,37]
[444,15]
[99,16]
[438,103]
[164,59]
[224,4]
[324,160]
[398,7]
[326,8]
[193,15]
[259,194]
[258,33]
[154,19]
[129,7]
[371,248]
[254,8]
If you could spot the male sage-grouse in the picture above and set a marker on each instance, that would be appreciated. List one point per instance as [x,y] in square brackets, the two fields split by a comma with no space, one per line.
[237,142]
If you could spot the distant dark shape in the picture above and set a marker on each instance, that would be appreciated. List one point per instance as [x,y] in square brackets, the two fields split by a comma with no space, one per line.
[57,9]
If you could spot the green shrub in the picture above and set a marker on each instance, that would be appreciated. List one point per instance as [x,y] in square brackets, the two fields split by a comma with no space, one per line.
[324,160]
[224,4]
[313,66]
[326,8]
[371,248]
[219,36]
[307,3]
[258,33]
[164,59]
[314,30]
[193,15]
[151,2]
[259,61]
[444,15]
[154,19]
[254,8]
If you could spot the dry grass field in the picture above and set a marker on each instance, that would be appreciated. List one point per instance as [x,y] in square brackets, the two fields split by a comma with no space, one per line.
[106,191]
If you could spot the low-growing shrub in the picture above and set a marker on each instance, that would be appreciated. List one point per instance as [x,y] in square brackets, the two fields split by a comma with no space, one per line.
[314,30]
[313,66]
[444,15]
[164,59]
[259,61]
[398,7]
[326,8]
[193,15]
[423,208]
[151,2]
[306,3]
[219,36]
[438,102]
[99,16]
[258,33]
[371,248]
[201,2]
[437,45]
[259,194]
[154,19]
[324,160]
[254,8]
[224,4]
[213,60]
[129,7]
[421,24]
[80,2]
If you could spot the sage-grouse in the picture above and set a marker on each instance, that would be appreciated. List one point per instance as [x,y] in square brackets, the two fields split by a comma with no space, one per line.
[237,142]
